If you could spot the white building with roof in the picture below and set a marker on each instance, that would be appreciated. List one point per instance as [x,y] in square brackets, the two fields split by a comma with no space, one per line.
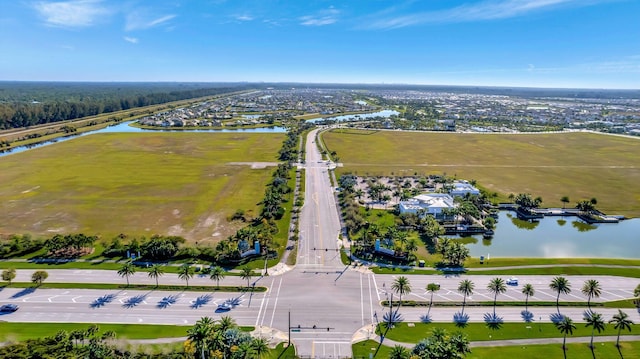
[429,203]
[462,188]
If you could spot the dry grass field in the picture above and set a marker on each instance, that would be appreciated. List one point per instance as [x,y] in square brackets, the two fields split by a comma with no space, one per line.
[140,184]
[578,165]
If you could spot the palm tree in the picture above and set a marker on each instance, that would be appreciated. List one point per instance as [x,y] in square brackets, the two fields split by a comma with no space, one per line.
[466,289]
[399,352]
[432,288]
[564,200]
[127,270]
[566,327]
[560,285]
[225,323]
[496,286]
[185,272]
[156,272]
[636,292]
[401,286]
[621,321]
[595,321]
[591,289]
[199,334]
[260,347]
[246,273]
[527,290]
[217,274]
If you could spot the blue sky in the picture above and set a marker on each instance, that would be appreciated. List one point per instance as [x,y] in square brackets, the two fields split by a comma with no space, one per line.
[536,43]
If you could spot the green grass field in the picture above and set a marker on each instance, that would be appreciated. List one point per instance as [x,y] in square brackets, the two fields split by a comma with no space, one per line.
[22,331]
[138,184]
[578,165]
[629,350]
[479,331]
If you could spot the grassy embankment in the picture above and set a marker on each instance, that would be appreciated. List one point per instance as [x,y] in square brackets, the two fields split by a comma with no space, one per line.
[547,165]
[138,184]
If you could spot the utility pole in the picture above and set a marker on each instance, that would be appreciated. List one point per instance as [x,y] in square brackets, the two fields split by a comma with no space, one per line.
[289,343]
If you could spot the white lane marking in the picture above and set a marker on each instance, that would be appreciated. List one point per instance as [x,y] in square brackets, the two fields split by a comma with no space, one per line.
[370,298]
[74,298]
[375,283]
[275,304]
[361,301]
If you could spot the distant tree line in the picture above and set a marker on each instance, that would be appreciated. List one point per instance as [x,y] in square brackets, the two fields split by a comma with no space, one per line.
[29,104]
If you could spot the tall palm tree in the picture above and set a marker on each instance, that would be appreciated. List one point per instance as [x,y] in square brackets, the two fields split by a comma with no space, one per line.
[260,347]
[156,272]
[185,272]
[527,290]
[246,273]
[496,286]
[127,270]
[217,274]
[566,327]
[466,289]
[621,321]
[595,321]
[199,334]
[560,285]
[564,200]
[401,286]
[591,289]
[432,288]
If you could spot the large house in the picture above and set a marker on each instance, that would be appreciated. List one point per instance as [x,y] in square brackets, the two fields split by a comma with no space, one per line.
[462,188]
[429,203]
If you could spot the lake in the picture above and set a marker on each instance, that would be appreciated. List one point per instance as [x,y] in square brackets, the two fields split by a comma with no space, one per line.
[383,113]
[124,127]
[558,237]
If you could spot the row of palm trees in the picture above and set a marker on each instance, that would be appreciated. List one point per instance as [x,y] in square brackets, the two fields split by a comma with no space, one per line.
[596,321]
[185,272]
[591,289]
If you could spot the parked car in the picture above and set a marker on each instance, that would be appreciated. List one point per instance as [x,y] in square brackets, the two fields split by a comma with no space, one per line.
[512,281]
[8,308]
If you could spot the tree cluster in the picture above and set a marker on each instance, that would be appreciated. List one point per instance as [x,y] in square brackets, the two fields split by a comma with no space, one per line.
[453,252]
[17,245]
[29,104]
[68,245]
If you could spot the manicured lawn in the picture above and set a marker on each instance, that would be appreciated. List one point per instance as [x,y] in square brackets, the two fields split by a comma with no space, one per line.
[480,332]
[546,165]
[620,272]
[629,350]
[137,184]
[22,331]
[282,351]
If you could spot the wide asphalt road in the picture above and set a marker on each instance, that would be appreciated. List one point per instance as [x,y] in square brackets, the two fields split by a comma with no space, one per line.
[327,302]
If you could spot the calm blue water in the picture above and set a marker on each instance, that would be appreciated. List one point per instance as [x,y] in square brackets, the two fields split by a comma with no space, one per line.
[550,238]
[124,127]
[383,113]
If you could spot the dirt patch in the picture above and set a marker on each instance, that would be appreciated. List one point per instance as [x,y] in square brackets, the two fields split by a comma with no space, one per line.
[255,165]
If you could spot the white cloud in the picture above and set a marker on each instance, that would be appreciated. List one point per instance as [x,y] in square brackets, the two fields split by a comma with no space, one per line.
[324,17]
[244,18]
[139,21]
[73,13]
[132,40]
[481,11]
